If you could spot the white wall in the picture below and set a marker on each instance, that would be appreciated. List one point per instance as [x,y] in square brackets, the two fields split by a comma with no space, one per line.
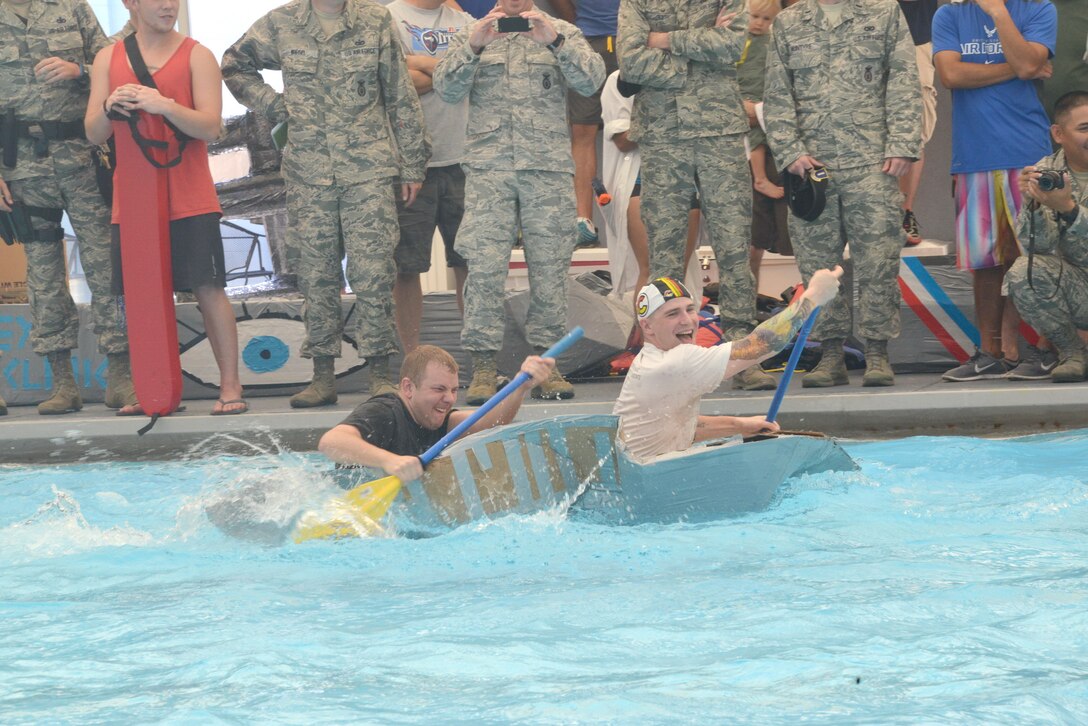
[111,14]
[217,24]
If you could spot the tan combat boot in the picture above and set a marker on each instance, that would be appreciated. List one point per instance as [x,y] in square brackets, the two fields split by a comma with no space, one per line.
[322,389]
[878,369]
[65,398]
[754,379]
[119,389]
[380,379]
[484,378]
[831,370]
[1072,366]
[555,388]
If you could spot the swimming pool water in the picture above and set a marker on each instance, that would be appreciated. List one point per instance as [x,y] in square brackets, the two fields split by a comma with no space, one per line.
[946,581]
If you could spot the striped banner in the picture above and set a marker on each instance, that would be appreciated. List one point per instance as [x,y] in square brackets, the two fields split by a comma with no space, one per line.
[936,310]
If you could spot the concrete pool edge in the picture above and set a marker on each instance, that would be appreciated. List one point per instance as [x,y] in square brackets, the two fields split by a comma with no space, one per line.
[920,404]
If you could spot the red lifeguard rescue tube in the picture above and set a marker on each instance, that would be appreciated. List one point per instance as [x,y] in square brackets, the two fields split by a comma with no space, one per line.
[145,258]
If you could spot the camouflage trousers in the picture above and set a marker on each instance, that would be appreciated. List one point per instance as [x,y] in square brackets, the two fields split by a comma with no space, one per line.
[716,168]
[862,209]
[496,203]
[73,188]
[1056,302]
[327,223]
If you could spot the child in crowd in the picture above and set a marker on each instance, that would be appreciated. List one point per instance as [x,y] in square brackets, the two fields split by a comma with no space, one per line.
[750,74]
[769,214]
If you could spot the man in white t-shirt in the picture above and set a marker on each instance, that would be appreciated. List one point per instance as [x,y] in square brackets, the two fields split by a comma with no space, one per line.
[658,405]
[425,28]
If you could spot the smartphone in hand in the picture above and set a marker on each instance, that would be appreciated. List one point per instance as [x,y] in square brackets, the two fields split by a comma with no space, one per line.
[512,25]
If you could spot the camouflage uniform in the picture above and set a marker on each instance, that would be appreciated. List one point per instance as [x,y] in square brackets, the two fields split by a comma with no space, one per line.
[849,97]
[355,127]
[690,125]
[1058,304]
[518,169]
[58,173]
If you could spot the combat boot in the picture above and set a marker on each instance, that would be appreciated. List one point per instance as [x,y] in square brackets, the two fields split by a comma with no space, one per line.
[754,379]
[119,389]
[878,369]
[1072,367]
[380,379]
[65,398]
[831,370]
[322,389]
[484,378]
[556,387]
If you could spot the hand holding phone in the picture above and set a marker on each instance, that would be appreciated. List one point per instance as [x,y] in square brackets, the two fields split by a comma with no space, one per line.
[484,32]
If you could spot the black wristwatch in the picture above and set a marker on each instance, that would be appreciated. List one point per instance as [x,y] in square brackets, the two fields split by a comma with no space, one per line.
[557,43]
[1071,216]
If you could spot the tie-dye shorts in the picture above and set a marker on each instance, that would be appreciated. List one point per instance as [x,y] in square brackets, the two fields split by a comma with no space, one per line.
[987,203]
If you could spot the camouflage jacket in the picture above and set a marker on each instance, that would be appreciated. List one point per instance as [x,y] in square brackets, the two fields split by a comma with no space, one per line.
[517,89]
[1051,235]
[690,91]
[849,95]
[354,116]
[67,29]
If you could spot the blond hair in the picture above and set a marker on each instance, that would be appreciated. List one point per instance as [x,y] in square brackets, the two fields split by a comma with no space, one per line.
[766,6]
[415,363]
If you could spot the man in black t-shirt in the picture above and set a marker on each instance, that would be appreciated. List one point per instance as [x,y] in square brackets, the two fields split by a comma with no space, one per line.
[390,431]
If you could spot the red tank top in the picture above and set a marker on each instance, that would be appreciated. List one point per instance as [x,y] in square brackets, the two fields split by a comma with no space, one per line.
[192,191]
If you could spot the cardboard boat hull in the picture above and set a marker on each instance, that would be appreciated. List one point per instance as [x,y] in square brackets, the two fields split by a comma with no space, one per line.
[573,461]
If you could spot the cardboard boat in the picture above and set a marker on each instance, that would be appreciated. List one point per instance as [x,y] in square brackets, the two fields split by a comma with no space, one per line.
[573,461]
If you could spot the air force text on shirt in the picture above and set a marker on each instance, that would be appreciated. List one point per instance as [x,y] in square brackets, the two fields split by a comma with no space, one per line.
[983,47]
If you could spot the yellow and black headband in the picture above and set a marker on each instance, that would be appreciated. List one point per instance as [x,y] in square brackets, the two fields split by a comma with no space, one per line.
[657,293]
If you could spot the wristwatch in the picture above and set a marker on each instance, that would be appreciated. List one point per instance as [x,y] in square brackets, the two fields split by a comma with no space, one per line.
[557,43]
[1070,216]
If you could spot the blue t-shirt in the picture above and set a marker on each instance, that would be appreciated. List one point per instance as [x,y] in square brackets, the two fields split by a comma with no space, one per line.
[1002,126]
[477,8]
[596,17]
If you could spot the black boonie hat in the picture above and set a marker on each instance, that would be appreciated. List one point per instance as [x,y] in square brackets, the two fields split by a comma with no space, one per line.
[806,195]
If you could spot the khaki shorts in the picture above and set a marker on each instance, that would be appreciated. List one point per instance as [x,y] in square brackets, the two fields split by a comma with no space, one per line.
[586,110]
[926,72]
[441,204]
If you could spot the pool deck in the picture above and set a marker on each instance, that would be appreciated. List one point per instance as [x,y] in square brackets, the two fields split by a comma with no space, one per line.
[918,404]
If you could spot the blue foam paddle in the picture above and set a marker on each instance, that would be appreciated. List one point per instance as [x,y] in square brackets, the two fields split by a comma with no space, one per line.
[791,364]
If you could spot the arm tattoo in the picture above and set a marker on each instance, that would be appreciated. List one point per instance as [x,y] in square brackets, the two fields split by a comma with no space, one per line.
[772,335]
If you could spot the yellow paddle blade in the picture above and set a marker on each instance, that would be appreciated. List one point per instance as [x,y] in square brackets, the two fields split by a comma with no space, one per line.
[356,514]
[374,498]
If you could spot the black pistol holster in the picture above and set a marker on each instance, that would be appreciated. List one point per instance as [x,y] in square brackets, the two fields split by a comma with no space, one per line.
[40,132]
[16,225]
[9,138]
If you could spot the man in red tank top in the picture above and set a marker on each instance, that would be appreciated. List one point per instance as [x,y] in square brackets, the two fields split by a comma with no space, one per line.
[189,96]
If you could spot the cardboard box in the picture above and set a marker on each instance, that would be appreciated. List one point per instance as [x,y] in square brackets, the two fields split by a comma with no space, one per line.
[12,274]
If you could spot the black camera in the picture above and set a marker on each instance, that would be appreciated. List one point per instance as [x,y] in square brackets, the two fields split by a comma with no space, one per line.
[1050,180]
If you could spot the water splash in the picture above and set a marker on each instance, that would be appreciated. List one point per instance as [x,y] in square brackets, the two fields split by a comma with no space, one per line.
[258,500]
[59,528]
